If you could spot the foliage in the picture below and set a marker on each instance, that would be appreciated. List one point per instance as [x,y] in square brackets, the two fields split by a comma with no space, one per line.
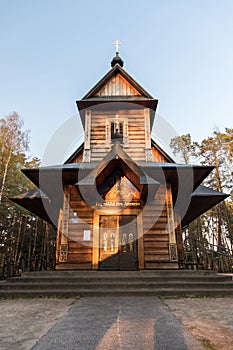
[215,226]
[182,145]
[26,242]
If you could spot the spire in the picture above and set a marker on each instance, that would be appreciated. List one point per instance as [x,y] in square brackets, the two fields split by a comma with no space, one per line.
[117,59]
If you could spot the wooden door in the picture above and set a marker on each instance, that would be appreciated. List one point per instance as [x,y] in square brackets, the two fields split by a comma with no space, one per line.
[118,242]
[128,242]
[109,242]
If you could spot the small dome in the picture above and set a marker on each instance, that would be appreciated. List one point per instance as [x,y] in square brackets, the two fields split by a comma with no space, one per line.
[117,60]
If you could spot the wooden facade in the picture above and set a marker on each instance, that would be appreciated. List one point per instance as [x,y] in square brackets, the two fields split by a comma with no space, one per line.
[153,231]
[122,200]
[124,232]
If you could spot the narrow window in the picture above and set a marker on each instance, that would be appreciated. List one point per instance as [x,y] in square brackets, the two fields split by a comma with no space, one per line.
[116,127]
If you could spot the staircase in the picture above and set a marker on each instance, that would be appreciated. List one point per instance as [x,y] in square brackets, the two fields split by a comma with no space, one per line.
[117,283]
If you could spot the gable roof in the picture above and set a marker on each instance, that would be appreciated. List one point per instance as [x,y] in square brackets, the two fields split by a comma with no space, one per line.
[119,88]
[116,159]
[117,69]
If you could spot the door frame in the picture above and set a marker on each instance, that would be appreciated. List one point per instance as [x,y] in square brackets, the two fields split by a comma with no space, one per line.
[96,238]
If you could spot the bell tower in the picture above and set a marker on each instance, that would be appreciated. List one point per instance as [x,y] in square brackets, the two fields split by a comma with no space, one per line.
[117,107]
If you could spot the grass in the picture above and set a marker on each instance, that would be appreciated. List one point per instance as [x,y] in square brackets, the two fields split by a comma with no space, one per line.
[206,343]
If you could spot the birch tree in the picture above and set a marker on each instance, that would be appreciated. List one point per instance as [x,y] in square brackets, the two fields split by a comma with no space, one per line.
[13,141]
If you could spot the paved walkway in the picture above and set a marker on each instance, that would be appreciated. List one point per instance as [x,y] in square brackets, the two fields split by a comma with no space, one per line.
[118,324]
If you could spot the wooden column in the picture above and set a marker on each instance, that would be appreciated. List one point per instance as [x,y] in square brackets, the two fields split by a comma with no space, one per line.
[87,149]
[171,226]
[125,132]
[65,226]
[141,259]
[95,253]
[58,241]
[108,132]
[148,151]
[179,240]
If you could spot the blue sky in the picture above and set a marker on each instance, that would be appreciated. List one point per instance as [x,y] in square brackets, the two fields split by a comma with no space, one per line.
[54,51]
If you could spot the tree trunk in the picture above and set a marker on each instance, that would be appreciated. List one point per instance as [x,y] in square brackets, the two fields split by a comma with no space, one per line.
[5,175]
[16,254]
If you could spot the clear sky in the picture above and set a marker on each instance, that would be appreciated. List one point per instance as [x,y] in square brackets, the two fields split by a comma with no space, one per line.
[54,51]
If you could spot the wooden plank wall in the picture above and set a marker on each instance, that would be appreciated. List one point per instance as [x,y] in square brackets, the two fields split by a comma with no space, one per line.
[137,142]
[158,157]
[154,242]
[79,252]
[118,86]
[156,238]
[136,134]
[78,158]
[98,146]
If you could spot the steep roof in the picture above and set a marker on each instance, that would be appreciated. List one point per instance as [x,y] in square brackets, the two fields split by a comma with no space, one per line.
[119,88]
[117,69]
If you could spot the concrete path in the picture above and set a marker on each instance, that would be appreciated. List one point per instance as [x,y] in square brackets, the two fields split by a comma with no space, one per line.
[118,324]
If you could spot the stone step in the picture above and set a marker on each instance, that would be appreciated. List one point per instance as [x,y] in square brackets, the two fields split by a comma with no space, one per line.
[118,285]
[92,273]
[123,279]
[94,283]
[28,293]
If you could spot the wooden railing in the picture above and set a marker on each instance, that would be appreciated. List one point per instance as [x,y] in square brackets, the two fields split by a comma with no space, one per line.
[201,255]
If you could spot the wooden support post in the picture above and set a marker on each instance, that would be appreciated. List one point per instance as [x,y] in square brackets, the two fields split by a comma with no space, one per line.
[87,150]
[125,132]
[148,151]
[58,241]
[179,240]
[141,260]
[171,226]
[108,133]
[65,226]
[95,252]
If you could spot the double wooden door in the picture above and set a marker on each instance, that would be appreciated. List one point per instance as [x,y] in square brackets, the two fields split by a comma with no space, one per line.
[118,242]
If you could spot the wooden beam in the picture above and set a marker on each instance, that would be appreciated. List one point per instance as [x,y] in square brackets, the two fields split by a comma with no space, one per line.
[148,151]
[65,226]
[140,242]
[171,225]
[58,241]
[95,253]
[87,151]
[179,239]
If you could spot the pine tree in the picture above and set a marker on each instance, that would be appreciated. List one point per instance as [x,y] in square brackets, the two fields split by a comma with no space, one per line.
[22,234]
[216,225]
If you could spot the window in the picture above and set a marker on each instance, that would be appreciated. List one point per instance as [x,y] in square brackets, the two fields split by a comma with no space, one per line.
[116,127]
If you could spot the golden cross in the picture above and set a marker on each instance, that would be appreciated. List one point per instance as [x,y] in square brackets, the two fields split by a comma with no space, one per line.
[117,43]
[116,122]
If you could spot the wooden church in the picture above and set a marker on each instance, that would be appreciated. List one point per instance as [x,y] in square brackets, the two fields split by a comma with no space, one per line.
[120,201]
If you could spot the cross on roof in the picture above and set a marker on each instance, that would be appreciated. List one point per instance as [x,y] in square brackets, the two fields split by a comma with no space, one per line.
[117,43]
